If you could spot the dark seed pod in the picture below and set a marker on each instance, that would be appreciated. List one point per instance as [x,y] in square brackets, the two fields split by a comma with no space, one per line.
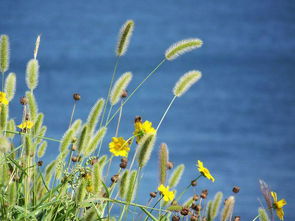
[237,218]
[195,197]
[74,159]
[123,165]
[175,218]
[76,96]
[194,218]
[198,207]
[137,119]
[153,194]
[169,165]
[16,178]
[124,94]
[204,194]
[194,183]
[115,178]
[23,100]
[40,163]
[236,189]
[124,160]
[184,211]
[93,161]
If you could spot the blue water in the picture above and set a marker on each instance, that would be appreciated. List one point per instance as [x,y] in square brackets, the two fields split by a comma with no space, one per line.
[239,119]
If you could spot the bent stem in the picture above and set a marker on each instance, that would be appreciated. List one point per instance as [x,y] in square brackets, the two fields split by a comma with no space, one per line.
[109,91]
[256,217]
[154,207]
[132,93]
[184,191]
[165,113]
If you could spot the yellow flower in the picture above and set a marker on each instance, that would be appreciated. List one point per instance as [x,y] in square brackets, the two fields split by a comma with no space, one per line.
[119,147]
[3,98]
[278,205]
[89,188]
[26,125]
[141,129]
[167,195]
[204,171]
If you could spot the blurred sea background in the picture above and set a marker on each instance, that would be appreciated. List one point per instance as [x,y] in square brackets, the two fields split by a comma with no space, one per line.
[239,119]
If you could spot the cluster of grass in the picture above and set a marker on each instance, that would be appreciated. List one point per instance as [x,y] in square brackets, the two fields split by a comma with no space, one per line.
[77,184]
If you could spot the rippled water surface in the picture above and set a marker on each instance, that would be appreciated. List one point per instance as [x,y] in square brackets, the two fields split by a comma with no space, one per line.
[239,119]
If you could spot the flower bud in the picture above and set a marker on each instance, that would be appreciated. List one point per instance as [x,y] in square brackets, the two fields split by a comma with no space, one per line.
[124,160]
[40,163]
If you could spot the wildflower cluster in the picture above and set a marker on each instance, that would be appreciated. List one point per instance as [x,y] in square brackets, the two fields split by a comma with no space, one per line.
[78,184]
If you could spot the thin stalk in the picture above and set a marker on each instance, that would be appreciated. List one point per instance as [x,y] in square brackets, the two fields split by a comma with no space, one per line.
[119,120]
[184,191]
[109,91]
[132,93]
[3,73]
[72,114]
[154,207]
[256,217]
[22,133]
[165,113]
[109,166]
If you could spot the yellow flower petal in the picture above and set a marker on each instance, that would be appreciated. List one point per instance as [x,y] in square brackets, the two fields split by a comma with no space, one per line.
[167,195]
[204,171]
[281,203]
[26,125]
[274,196]
[3,98]
[280,213]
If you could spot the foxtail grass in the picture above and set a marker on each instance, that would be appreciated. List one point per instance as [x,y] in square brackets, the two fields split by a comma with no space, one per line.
[163,160]
[124,37]
[80,183]
[182,47]
[10,84]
